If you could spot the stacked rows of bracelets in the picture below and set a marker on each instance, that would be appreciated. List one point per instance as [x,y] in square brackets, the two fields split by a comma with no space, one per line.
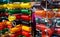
[47,21]
[15,20]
